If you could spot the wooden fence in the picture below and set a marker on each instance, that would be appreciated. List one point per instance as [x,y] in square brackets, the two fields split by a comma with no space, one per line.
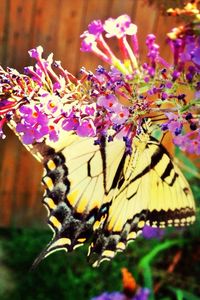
[56,25]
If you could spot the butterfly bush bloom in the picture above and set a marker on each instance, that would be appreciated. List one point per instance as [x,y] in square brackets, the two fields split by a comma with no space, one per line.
[47,98]
[86,128]
[34,124]
[131,292]
[143,294]
[119,27]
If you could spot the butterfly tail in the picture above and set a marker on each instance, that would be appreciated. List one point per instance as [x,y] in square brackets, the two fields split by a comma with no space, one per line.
[45,252]
[55,245]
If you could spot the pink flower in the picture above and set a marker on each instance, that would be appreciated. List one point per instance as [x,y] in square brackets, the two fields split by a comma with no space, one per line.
[119,27]
[51,105]
[120,116]
[95,27]
[189,142]
[71,122]
[53,133]
[36,52]
[86,128]
[88,42]
[107,101]
[90,109]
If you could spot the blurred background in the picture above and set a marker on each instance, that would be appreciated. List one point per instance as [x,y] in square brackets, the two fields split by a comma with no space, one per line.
[57,25]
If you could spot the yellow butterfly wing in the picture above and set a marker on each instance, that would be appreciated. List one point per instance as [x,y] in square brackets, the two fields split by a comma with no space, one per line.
[152,190]
[98,191]
[79,179]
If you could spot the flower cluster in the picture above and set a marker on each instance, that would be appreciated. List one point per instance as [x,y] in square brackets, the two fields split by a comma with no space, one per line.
[131,290]
[47,99]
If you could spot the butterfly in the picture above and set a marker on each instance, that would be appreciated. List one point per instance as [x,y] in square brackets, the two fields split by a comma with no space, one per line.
[102,194]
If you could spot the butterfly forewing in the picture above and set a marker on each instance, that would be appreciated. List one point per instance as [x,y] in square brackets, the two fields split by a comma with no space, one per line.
[78,182]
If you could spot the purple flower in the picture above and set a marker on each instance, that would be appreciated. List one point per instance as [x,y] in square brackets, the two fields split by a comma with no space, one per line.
[56,86]
[88,42]
[142,294]
[32,116]
[95,27]
[175,75]
[150,39]
[119,27]
[86,128]
[168,84]
[51,105]
[164,95]
[153,51]
[31,134]
[152,232]
[53,133]
[111,296]
[90,110]
[71,122]
[34,124]
[196,56]
[25,110]
[36,52]
[121,115]
[108,101]
[174,124]
[27,137]
[189,142]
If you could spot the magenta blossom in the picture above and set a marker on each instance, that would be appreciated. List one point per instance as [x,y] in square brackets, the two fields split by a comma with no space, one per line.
[108,101]
[120,116]
[190,142]
[142,294]
[36,52]
[86,128]
[51,105]
[95,27]
[71,122]
[89,42]
[119,27]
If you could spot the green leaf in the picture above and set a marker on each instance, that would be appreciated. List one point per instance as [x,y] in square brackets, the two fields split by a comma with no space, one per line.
[145,262]
[147,259]
[183,295]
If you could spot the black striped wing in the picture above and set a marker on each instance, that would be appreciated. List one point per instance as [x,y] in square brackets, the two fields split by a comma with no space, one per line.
[100,193]
[79,181]
[151,190]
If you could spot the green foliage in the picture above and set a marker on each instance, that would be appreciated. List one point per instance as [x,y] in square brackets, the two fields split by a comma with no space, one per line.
[183,295]
[68,276]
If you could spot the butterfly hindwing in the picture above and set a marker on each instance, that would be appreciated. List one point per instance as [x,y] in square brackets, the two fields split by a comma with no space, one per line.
[154,192]
[171,202]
